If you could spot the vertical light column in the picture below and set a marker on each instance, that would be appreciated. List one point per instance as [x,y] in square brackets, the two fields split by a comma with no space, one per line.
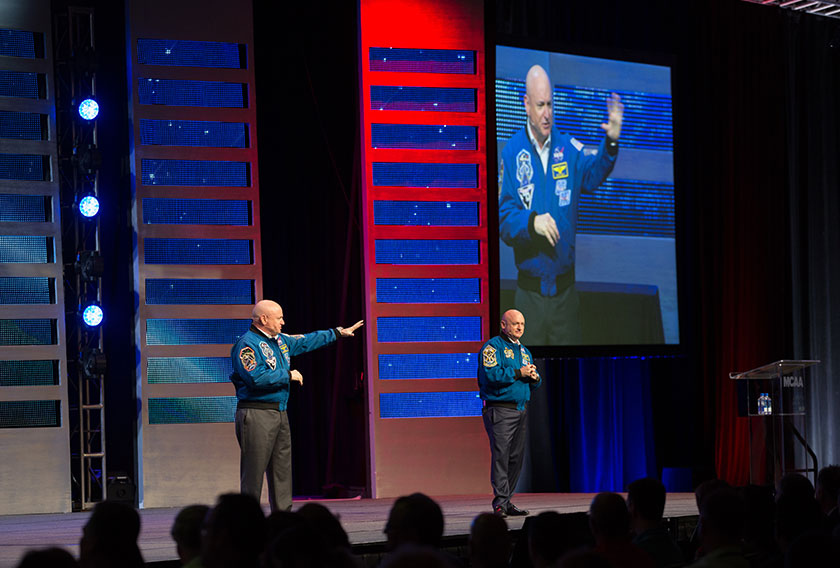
[34,432]
[196,216]
[425,243]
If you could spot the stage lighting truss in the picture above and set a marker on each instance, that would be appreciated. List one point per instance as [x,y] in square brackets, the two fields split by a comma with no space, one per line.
[89,265]
[94,363]
[88,158]
[828,8]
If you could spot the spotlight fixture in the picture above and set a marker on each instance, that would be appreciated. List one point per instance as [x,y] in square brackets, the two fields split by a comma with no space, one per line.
[94,363]
[88,109]
[89,206]
[92,315]
[90,265]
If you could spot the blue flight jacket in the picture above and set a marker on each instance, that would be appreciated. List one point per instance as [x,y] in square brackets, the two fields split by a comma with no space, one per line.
[498,372]
[262,365]
[526,191]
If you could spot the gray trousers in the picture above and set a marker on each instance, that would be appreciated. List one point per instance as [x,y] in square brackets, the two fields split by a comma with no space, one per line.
[506,428]
[550,320]
[265,445]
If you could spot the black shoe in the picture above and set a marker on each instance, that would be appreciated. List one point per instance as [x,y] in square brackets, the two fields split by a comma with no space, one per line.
[500,511]
[514,511]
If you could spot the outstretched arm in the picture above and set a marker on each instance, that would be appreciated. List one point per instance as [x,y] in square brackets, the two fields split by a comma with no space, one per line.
[348,331]
[615,117]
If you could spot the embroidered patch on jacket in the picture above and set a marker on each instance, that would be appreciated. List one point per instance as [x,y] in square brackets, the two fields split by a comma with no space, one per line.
[266,350]
[578,146]
[248,358]
[560,170]
[508,353]
[525,359]
[271,362]
[489,355]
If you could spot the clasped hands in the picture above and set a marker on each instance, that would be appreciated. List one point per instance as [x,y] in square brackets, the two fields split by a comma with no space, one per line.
[529,372]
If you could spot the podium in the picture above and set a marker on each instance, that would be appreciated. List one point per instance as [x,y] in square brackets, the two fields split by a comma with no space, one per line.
[778,443]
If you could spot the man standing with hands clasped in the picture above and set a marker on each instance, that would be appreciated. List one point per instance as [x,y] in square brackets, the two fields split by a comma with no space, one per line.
[262,374]
[506,377]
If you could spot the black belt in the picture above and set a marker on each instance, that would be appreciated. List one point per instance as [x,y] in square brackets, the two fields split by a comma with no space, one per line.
[501,404]
[257,404]
[534,284]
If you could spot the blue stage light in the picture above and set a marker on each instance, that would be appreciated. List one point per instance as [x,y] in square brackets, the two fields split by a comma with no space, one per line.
[88,109]
[92,315]
[89,206]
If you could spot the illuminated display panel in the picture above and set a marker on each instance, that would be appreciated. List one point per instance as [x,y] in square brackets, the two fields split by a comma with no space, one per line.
[616,259]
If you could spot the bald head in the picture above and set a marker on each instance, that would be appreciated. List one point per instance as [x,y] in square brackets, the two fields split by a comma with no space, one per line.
[513,324]
[268,317]
[538,103]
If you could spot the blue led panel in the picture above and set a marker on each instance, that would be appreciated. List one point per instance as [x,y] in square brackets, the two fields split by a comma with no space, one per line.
[192,410]
[426,252]
[429,404]
[190,53]
[28,373]
[179,92]
[194,331]
[428,290]
[203,173]
[20,84]
[30,414]
[17,43]
[424,137]
[164,211]
[26,290]
[183,370]
[411,174]
[647,117]
[198,291]
[428,328]
[23,125]
[27,332]
[197,133]
[197,251]
[24,208]
[26,167]
[26,249]
[437,99]
[401,60]
[428,366]
[629,207]
[510,109]
[426,213]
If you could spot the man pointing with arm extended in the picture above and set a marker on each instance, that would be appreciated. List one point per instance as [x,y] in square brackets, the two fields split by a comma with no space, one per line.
[261,374]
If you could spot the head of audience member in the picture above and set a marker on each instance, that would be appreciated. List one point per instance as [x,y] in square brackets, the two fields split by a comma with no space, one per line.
[489,543]
[722,516]
[707,487]
[761,509]
[326,524]
[279,521]
[234,532]
[608,518]
[796,485]
[827,492]
[583,558]
[109,538]
[414,519]
[645,503]
[48,558]
[186,531]
[813,550]
[417,556]
[795,516]
[548,538]
[302,545]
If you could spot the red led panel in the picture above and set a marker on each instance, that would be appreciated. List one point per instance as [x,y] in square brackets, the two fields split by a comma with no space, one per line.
[428,64]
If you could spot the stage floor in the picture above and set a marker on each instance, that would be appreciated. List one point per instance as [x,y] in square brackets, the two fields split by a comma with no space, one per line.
[363,519]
